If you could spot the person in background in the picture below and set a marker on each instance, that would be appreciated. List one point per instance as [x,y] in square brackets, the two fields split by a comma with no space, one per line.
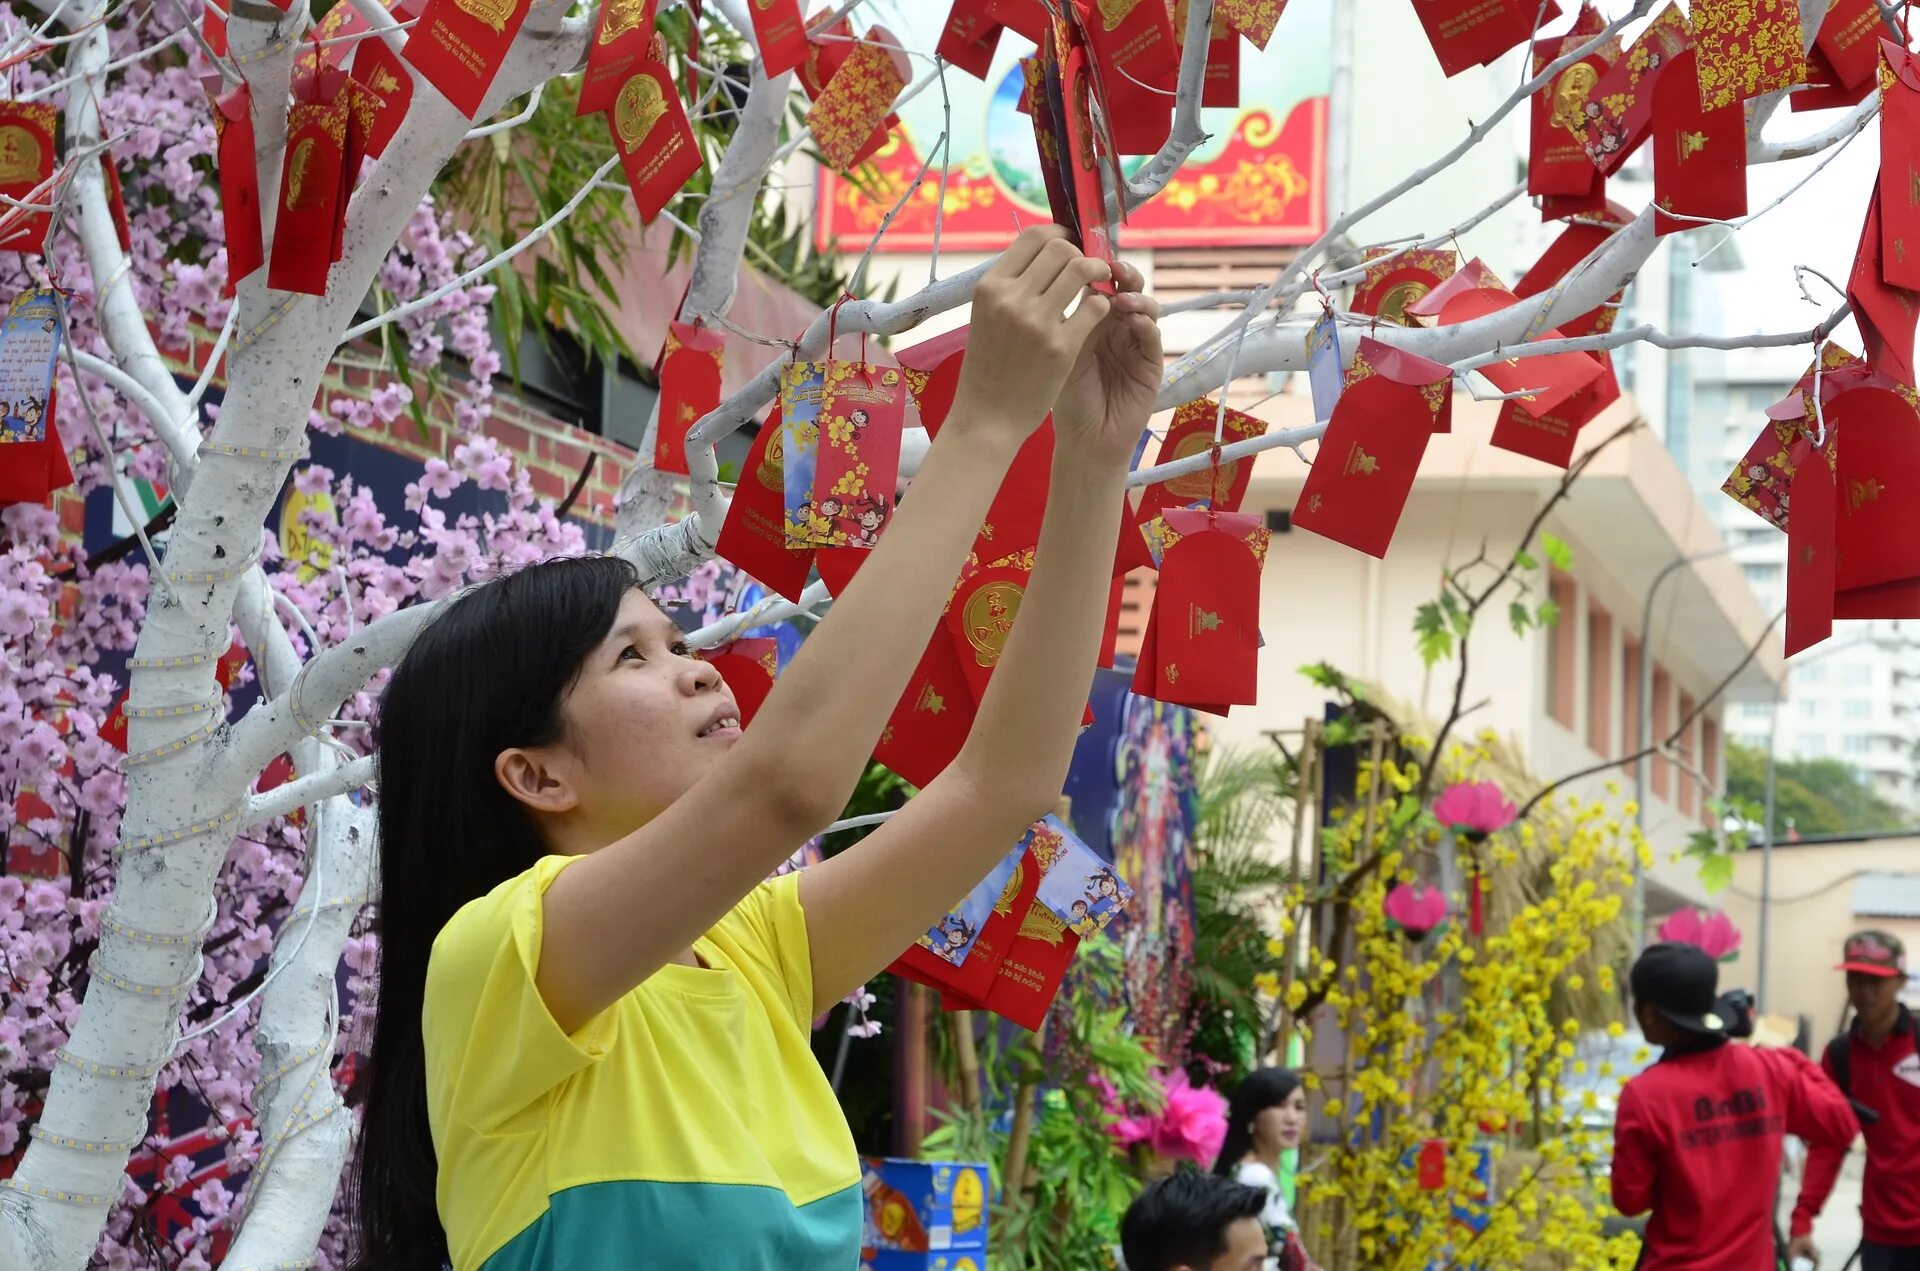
[1267,1116]
[1876,1063]
[1695,1130]
[1195,1222]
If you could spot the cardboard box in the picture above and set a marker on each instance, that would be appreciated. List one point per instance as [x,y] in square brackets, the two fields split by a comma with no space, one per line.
[922,1207]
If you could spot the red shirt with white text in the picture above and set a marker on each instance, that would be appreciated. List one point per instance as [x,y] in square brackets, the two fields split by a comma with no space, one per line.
[1885,1078]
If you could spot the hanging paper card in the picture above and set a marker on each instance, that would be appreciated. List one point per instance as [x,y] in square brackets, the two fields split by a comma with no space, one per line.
[117,203]
[33,470]
[1080,889]
[1849,43]
[1028,17]
[1083,148]
[1325,374]
[932,372]
[26,171]
[1364,470]
[1699,156]
[1222,85]
[1762,481]
[931,720]
[1889,600]
[1884,313]
[650,130]
[1396,279]
[1746,48]
[1028,977]
[380,70]
[303,234]
[1557,162]
[322,60]
[1550,436]
[857,98]
[1620,107]
[690,365]
[997,931]
[1811,543]
[458,45]
[1467,33]
[1559,207]
[1141,120]
[1191,433]
[969,38]
[1576,242]
[979,619]
[1207,608]
[803,387]
[1878,534]
[1475,292]
[1041,75]
[363,116]
[858,464]
[213,29]
[952,938]
[1823,89]
[781,35]
[622,43]
[1133,40]
[1899,197]
[29,350]
[754,535]
[748,666]
[1254,19]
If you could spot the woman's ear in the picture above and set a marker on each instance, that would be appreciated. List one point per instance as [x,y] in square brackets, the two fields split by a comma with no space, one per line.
[532,777]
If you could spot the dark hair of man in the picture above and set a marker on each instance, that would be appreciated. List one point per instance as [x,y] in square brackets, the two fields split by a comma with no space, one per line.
[1183,1220]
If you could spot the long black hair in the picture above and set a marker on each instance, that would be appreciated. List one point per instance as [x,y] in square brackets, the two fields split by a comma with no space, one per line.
[1264,1088]
[488,674]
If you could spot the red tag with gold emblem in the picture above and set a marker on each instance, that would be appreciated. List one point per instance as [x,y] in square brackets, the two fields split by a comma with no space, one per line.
[690,366]
[1474,292]
[26,165]
[1028,977]
[621,42]
[239,184]
[310,203]
[980,617]
[1620,108]
[1746,48]
[1878,535]
[1849,44]
[854,102]
[754,535]
[1467,33]
[1364,470]
[992,918]
[1884,313]
[1900,169]
[458,45]
[931,720]
[1699,156]
[1557,159]
[1133,40]
[1254,19]
[970,38]
[656,143]
[1086,157]
[378,69]
[1206,608]
[748,666]
[778,29]
[1396,279]
[1550,435]
[1811,546]
[1191,433]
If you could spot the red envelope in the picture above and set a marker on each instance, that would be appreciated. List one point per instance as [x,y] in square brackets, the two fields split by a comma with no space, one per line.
[858,465]
[1575,243]
[1207,608]
[1699,156]
[213,29]
[932,370]
[117,203]
[1191,433]
[1367,460]
[1823,89]
[781,34]
[931,720]
[378,68]
[970,38]
[1132,42]
[622,42]
[1028,17]
[1811,546]
[1899,196]
[1141,120]
[1884,313]
[1028,978]
[26,161]
[1557,158]
[35,469]
[310,202]
[748,666]
[458,45]
[1050,136]
[1761,482]
[973,979]
[1849,44]
[690,366]
[1889,600]
[1558,207]
[656,143]
[754,535]
[1549,436]
[1878,535]
[979,619]
[1110,640]
[1746,48]
[826,55]
[1467,33]
[855,101]
[1086,157]
[1254,19]
[1620,107]
[1222,85]
[1474,292]
[1395,280]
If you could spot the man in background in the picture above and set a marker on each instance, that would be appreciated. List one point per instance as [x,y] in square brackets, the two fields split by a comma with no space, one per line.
[1876,1063]
[1195,1222]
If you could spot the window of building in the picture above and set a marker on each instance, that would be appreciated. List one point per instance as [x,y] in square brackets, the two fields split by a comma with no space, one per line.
[1857,675]
[1757,711]
[1599,680]
[1858,743]
[1813,744]
[1814,674]
[1859,708]
[1663,722]
[1689,788]
[1630,692]
[1810,708]
[1563,650]
[1762,573]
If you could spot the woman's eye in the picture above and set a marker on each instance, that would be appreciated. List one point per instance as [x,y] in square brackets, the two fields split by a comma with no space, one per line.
[682,649]
[631,651]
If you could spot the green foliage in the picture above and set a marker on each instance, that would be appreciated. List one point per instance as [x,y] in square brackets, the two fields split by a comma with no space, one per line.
[1434,637]
[1811,796]
[1558,554]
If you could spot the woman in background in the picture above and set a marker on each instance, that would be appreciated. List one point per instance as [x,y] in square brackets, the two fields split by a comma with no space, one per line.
[1267,1116]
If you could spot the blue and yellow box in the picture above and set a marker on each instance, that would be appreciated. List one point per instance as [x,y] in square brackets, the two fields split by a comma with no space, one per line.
[952,1260]
[922,1207]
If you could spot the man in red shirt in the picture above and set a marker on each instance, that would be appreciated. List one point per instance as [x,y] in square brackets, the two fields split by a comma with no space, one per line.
[1697,1136]
[1875,1063]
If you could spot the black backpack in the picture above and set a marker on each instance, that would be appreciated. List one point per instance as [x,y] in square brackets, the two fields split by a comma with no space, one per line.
[1839,1059]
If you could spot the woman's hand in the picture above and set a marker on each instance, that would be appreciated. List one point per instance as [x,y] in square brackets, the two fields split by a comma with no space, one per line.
[1022,346]
[1108,397]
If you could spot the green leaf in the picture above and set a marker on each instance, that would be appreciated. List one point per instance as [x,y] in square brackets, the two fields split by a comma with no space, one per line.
[1557,551]
[1548,613]
[1342,731]
[1521,618]
[1716,872]
[1524,559]
[1435,640]
[1404,812]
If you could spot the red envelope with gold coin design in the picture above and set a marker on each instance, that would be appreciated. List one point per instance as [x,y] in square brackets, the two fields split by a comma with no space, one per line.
[1900,169]
[1884,313]
[856,100]
[650,130]
[1746,48]
[1364,470]
[1190,434]
[1557,157]
[1620,107]
[1396,279]
[980,617]
[754,535]
[1878,464]
[622,41]
[1812,543]
[931,720]
[748,666]
[970,37]
[1699,156]
[310,202]
[1207,608]
[26,162]
[458,46]
[690,368]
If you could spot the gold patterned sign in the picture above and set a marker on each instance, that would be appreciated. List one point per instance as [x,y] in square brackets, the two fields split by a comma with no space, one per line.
[638,108]
[988,618]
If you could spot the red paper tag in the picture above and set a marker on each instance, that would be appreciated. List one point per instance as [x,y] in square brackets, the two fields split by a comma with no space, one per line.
[26,163]
[35,469]
[932,371]
[1207,607]
[1558,207]
[363,118]
[1823,89]
[748,666]
[1558,162]
[1132,42]
[1028,977]
[1467,33]
[1254,19]
[1575,243]
[310,204]
[326,62]
[1222,86]
[656,143]
[979,619]
[1028,17]
[117,203]
[858,465]
[1083,131]
[213,28]
[1550,436]
[1746,49]
[1475,292]
[754,534]
[974,977]
[1811,544]
[1044,92]
[858,97]
[1878,534]
[622,41]
[1191,433]
[1849,44]
[458,45]
[970,38]
[1762,481]
[690,366]
[1889,600]
[931,720]
[1395,280]
[1364,471]
[1899,197]
[1699,156]
[781,35]
[1620,107]
[379,70]
[1884,313]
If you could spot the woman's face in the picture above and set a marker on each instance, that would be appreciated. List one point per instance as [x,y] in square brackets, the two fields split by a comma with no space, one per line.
[644,720]
[1284,1124]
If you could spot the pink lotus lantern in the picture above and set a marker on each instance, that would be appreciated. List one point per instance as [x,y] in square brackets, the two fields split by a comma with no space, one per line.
[1713,932]
[1416,909]
[1474,808]
[1190,1126]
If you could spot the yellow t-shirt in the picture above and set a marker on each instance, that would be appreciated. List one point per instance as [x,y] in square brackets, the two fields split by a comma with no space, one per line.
[688,1124]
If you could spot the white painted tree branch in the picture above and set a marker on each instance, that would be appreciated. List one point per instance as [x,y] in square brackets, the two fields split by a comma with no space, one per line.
[310,789]
[1187,132]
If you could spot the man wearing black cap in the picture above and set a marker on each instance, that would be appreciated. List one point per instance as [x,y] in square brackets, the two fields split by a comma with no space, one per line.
[1697,1136]
[1875,1062]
